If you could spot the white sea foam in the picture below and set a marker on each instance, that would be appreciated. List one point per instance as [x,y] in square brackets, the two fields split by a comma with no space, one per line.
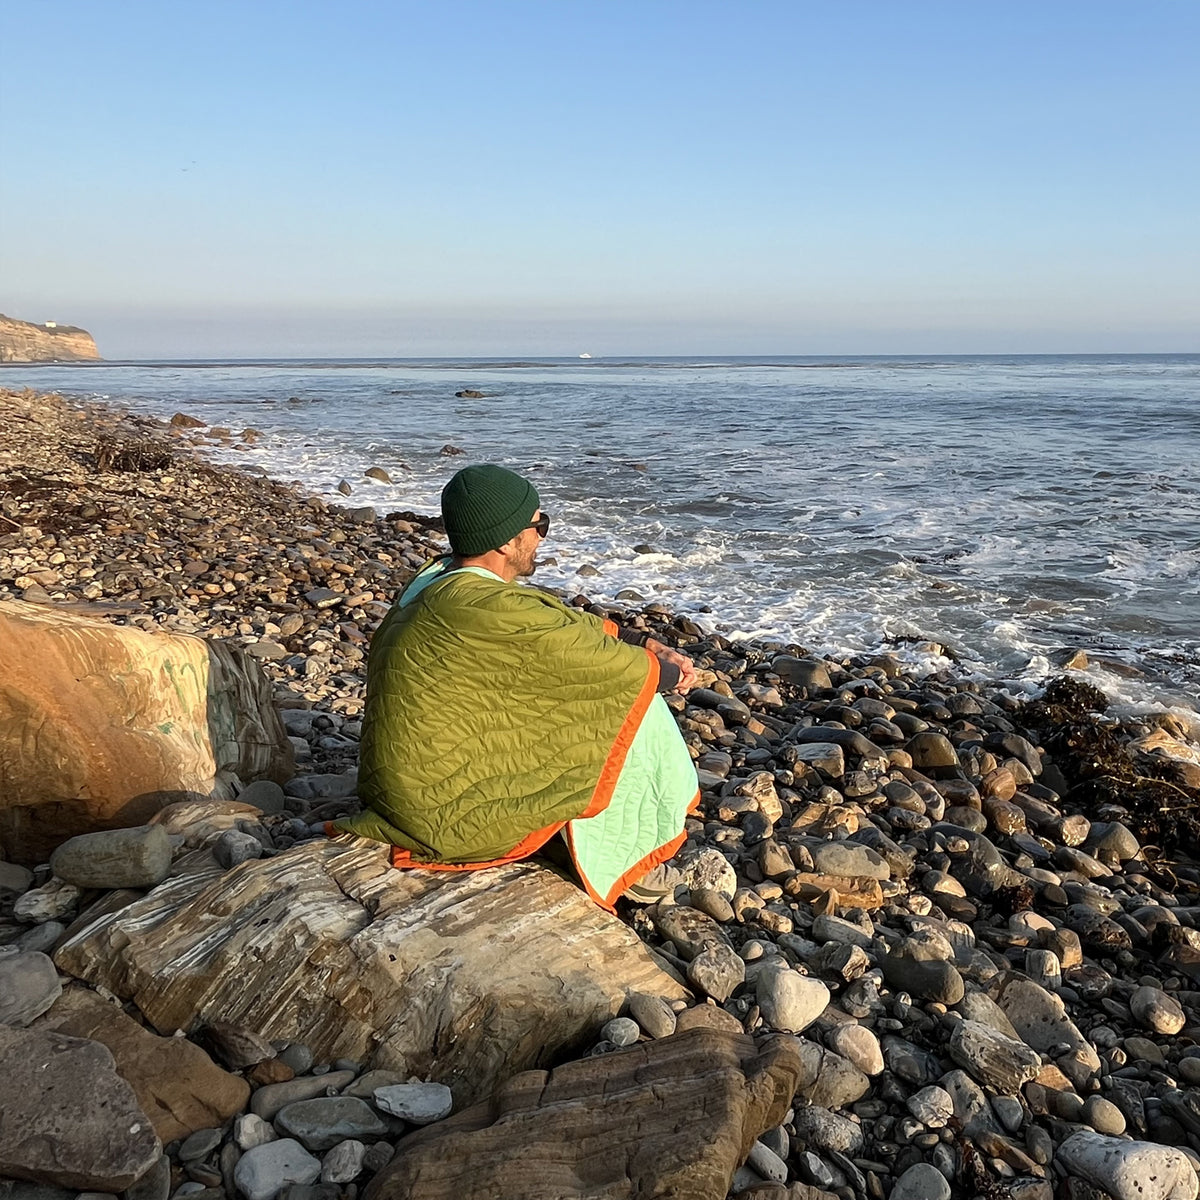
[994,507]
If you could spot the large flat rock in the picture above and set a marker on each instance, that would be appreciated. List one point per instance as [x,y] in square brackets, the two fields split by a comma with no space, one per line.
[101,725]
[177,1085]
[463,977]
[672,1119]
[67,1118]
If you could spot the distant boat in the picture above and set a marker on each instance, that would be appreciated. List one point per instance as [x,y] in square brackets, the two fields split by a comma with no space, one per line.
[585,356]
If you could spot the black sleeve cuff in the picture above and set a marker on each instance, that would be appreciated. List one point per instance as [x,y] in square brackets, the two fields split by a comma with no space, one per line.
[633,637]
[668,676]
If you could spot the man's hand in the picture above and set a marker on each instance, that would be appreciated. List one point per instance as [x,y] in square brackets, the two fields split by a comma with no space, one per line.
[687,669]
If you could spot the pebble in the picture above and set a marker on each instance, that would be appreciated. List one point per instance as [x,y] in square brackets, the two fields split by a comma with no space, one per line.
[323,1122]
[250,1130]
[344,1163]
[790,1002]
[1153,1009]
[51,902]
[716,971]
[621,1031]
[826,1131]
[921,1182]
[859,1045]
[264,1171]
[29,985]
[267,1101]
[932,1106]
[1103,1116]
[234,847]
[420,1103]
[653,1014]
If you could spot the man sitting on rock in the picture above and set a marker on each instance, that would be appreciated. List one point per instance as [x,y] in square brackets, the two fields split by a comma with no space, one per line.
[497,716]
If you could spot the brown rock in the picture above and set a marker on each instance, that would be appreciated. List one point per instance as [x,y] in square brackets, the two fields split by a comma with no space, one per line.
[272,1071]
[707,1016]
[75,1122]
[671,1118]
[101,725]
[850,892]
[465,977]
[177,1085]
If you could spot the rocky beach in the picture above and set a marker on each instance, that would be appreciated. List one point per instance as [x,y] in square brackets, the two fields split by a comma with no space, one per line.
[931,939]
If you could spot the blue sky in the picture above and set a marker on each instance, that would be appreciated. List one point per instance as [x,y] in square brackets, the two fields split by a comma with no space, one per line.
[618,176]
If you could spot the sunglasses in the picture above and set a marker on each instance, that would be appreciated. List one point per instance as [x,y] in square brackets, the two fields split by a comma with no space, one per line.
[542,525]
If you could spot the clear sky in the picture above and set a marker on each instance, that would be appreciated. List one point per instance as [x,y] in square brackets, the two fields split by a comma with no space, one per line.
[207,178]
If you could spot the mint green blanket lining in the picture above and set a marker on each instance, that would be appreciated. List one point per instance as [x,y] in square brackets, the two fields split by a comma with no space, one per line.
[648,807]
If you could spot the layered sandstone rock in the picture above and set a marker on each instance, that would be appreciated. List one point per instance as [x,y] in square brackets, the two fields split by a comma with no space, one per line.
[464,978]
[21,341]
[671,1118]
[102,725]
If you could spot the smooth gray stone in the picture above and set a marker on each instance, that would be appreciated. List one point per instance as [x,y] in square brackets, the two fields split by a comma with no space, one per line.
[824,1130]
[344,1163]
[199,1144]
[420,1103]
[235,847]
[267,1101]
[790,1002]
[921,1182]
[262,1173]
[264,794]
[15,879]
[323,1122]
[623,1031]
[29,986]
[115,858]
[42,937]
[297,1056]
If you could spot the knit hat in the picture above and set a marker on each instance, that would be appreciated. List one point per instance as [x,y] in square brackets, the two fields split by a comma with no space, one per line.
[484,506]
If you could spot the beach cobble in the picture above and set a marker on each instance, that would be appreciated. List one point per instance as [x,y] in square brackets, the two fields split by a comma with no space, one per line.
[981,917]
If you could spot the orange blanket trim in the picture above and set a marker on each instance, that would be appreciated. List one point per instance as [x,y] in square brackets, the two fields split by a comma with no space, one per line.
[612,628]
[523,849]
[615,762]
[661,855]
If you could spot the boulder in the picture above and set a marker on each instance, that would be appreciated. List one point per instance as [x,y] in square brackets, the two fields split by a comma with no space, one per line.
[115,858]
[78,1124]
[1129,1170]
[673,1117]
[463,977]
[177,1085]
[101,725]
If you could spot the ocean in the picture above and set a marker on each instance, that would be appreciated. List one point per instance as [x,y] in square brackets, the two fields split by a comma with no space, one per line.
[1002,508]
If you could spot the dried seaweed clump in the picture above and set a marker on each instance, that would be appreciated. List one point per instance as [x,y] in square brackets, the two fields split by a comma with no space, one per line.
[113,453]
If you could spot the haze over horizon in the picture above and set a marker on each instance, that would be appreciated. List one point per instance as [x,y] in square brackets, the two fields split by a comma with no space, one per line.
[224,180]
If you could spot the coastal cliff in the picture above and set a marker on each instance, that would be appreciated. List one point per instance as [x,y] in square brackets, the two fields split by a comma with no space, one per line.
[21,341]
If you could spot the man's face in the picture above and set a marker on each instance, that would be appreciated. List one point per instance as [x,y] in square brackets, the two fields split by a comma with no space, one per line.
[525,546]
[524,550]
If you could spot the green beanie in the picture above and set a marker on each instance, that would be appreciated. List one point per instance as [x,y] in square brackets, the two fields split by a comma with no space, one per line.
[485,506]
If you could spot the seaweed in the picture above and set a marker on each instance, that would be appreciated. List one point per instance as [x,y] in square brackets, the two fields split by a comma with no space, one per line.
[1101,769]
[112,453]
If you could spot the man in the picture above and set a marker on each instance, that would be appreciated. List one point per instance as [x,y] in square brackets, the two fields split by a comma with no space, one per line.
[498,717]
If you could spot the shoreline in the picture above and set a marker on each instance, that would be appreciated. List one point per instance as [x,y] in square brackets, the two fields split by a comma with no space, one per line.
[944,889]
[298,582]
